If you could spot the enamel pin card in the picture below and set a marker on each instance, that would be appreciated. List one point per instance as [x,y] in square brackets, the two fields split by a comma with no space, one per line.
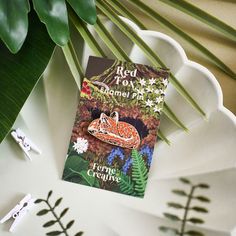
[116,126]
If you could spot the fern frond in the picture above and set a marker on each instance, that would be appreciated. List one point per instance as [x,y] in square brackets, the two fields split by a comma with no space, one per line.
[139,173]
[126,185]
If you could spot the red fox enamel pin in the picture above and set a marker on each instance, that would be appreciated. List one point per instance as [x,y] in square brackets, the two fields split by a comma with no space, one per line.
[109,129]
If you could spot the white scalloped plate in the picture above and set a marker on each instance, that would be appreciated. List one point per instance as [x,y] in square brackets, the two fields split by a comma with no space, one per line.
[206,153]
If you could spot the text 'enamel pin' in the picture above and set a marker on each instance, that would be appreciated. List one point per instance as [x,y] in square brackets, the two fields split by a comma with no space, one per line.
[25,143]
[19,211]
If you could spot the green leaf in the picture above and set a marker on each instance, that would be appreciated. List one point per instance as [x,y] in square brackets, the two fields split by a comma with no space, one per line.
[39,201]
[175,205]
[203,16]
[170,114]
[54,233]
[53,13]
[58,201]
[85,9]
[73,165]
[202,199]
[163,137]
[194,233]
[14,23]
[203,186]
[90,180]
[172,217]
[126,185]
[179,192]
[79,233]
[196,220]
[76,166]
[169,230]
[152,56]
[127,13]
[70,224]
[73,63]
[110,41]
[120,54]
[185,181]
[139,172]
[16,84]
[199,209]
[63,212]
[160,19]
[85,33]
[49,223]
[43,212]
[49,194]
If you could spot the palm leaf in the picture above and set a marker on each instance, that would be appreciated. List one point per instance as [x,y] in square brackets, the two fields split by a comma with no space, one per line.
[73,62]
[111,43]
[163,137]
[126,13]
[160,19]
[85,33]
[170,114]
[156,61]
[120,54]
[203,16]
[114,46]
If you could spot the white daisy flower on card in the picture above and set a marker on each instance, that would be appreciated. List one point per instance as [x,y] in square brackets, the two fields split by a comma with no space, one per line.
[160,91]
[81,145]
[149,89]
[140,91]
[142,82]
[159,99]
[149,103]
[157,109]
[165,82]
[152,81]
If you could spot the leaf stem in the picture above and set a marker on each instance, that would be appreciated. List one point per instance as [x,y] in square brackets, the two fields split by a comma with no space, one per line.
[187,207]
[57,218]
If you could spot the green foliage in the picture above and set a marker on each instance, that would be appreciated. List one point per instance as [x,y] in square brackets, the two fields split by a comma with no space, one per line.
[57,219]
[172,217]
[75,171]
[20,73]
[171,26]
[139,172]
[14,23]
[194,233]
[126,185]
[186,209]
[85,9]
[170,231]
[31,60]
[149,53]
[53,14]
[203,16]
[136,184]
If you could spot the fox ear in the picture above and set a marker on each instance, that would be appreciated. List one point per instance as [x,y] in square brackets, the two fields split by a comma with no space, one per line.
[115,116]
[103,115]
